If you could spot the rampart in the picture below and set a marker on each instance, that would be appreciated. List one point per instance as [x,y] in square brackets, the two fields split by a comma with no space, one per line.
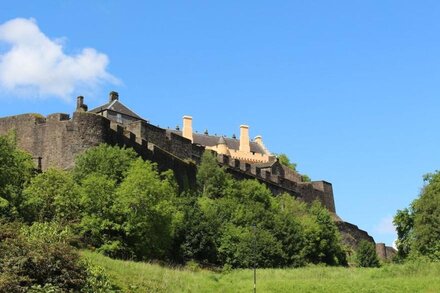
[55,141]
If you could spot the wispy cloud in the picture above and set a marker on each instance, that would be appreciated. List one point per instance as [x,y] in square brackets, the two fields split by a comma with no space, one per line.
[386,226]
[33,64]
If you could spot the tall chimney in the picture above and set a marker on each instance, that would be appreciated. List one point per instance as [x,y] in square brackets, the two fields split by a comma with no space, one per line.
[80,106]
[244,139]
[112,96]
[187,131]
[79,103]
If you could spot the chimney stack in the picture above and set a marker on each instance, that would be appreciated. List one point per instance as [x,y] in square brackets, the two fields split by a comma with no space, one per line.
[187,131]
[80,106]
[244,139]
[113,96]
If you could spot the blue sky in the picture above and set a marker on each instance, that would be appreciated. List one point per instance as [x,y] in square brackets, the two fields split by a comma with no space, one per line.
[347,89]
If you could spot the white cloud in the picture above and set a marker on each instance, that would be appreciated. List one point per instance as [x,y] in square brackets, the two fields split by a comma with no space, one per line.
[34,64]
[386,226]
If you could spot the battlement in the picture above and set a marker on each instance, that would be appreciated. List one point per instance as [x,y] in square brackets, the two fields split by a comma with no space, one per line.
[273,175]
[55,141]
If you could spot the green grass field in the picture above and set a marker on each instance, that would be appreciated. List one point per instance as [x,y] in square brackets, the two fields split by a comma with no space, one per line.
[144,277]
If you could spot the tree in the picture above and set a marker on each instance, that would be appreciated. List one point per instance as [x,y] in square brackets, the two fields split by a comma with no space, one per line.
[323,243]
[52,196]
[284,160]
[427,218]
[110,161]
[418,227]
[99,226]
[212,180]
[16,169]
[404,223]
[145,204]
[366,255]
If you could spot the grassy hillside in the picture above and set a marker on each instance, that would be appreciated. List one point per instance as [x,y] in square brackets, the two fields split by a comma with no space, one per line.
[144,277]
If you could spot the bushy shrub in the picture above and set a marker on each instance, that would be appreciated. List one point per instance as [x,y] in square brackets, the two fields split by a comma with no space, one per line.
[38,258]
[366,255]
[52,196]
[27,260]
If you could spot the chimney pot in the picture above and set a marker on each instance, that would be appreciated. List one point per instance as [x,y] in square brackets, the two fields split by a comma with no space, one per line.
[80,106]
[113,96]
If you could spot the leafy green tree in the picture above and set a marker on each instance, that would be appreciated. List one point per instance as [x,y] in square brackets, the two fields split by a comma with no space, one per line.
[16,169]
[284,160]
[418,227]
[99,226]
[427,218]
[404,223]
[52,196]
[106,160]
[323,244]
[247,233]
[366,255]
[289,229]
[244,246]
[196,237]
[212,180]
[145,203]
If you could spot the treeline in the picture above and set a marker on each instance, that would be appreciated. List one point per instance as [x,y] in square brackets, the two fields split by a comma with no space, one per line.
[116,203]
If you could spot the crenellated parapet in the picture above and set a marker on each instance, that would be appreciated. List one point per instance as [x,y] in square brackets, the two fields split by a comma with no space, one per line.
[55,140]
[273,175]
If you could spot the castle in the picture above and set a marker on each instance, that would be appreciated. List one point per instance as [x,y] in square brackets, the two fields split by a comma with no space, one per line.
[55,141]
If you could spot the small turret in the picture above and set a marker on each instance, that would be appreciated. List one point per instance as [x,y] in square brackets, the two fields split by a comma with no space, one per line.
[222,147]
[259,140]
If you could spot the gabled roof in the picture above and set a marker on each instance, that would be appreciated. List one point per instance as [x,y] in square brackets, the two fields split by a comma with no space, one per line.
[118,107]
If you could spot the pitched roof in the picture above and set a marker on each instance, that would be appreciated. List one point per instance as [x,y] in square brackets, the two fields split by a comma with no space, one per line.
[118,107]
[213,140]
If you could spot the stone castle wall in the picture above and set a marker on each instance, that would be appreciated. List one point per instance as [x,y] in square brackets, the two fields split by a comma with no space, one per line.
[57,140]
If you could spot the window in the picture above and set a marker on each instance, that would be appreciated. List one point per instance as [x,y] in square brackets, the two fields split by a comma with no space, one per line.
[119,118]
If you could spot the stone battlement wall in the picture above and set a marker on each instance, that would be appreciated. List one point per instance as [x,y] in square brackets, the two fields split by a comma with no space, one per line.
[321,191]
[56,140]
